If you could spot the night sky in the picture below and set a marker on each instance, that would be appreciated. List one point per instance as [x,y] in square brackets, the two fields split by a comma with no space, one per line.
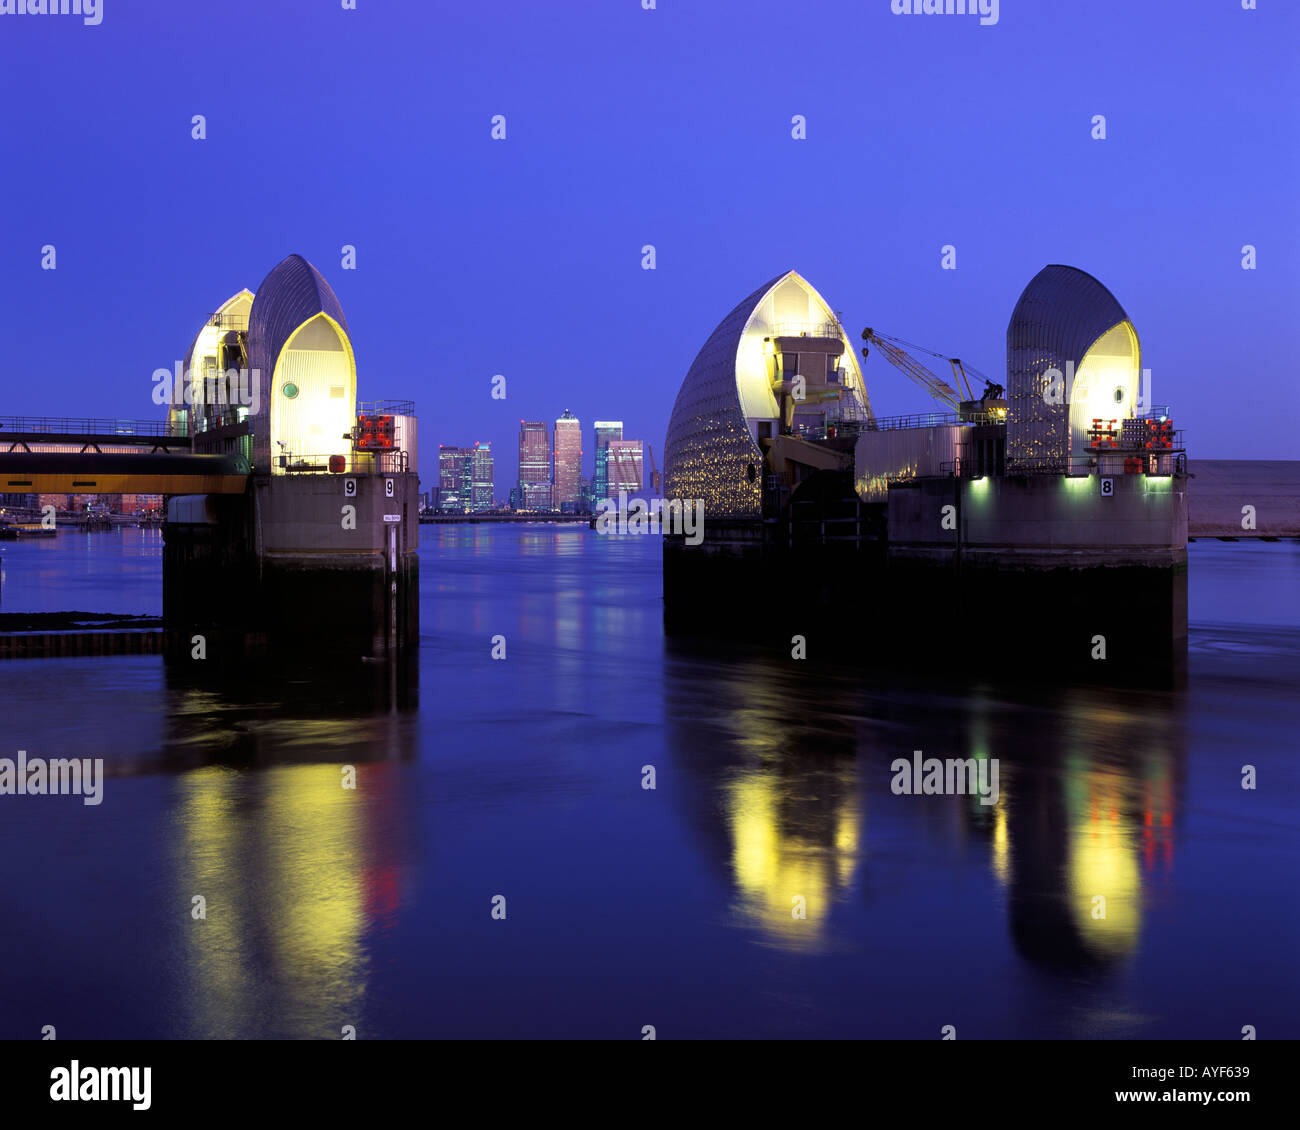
[669,127]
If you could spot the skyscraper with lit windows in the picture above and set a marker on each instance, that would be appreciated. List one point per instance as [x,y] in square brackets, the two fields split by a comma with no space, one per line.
[455,478]
[567,489]
[605,431]
[534,465]
[624,458]
[482,479]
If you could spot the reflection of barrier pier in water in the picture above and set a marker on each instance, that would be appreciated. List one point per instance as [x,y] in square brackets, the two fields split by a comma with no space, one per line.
[798,802]
[299,871]
[1047,527]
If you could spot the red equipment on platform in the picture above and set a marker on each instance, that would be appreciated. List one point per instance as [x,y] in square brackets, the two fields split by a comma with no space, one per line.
[1102,435]
[374,433]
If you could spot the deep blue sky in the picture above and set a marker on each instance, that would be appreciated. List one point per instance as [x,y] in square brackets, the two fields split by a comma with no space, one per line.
[671,127]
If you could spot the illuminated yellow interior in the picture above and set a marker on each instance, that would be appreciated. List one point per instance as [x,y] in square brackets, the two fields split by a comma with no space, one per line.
[792,306]
[1105,383]
[313,393]
[205,359]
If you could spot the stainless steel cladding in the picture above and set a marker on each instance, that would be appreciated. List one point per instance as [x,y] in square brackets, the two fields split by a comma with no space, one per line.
[900,454]
[710,452]
[1061,314]
[406,437]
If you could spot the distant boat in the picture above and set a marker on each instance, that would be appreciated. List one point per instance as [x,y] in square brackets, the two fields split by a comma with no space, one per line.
[21,531]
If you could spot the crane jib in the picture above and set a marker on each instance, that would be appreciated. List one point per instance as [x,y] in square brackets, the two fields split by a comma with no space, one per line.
[897,353]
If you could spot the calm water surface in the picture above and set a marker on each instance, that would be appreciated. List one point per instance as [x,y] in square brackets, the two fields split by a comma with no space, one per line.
[626,906]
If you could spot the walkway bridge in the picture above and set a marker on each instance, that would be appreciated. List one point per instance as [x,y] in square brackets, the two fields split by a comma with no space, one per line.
[56,455]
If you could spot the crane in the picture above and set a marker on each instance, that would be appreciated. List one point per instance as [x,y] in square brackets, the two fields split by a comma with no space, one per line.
[656,480]
[896,353]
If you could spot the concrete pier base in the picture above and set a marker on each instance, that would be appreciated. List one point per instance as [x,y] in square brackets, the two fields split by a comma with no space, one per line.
[1001,580]
[300,562]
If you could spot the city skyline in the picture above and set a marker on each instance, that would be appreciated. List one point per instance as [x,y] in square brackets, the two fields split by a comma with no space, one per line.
[534,489]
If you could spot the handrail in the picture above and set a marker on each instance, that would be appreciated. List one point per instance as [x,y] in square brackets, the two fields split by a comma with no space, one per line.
[229,321]
[385,407]
[916,420]
[806,329]
[59,425]
[353,463]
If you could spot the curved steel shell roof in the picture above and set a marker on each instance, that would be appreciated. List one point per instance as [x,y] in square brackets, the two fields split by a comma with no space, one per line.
[233,300]
[1060,314]
[292,292]
[711,454]
[709,448]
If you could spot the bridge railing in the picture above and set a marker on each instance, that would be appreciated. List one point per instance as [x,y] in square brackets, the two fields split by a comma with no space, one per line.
[63,425]
[353,463]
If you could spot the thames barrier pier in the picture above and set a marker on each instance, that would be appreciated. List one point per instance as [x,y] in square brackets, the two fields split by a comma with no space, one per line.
[321,547]
[1047,519]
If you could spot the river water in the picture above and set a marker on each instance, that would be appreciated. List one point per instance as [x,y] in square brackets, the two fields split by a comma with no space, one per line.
[516,783]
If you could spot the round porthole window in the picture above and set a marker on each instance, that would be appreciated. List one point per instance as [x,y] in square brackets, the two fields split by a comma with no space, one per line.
[290,390]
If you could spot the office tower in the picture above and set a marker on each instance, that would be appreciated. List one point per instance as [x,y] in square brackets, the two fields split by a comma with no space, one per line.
[606,430]
[466,483]
[567,492]
[455,478]
[534,465]
[624,461]
[482,484]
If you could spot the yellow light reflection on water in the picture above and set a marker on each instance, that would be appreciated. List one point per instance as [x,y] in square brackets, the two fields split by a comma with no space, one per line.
[1001,845]
[776,859]
[210,839]
[316,888]
[277,855]
[793,815]
[1103,864]
[846,845]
